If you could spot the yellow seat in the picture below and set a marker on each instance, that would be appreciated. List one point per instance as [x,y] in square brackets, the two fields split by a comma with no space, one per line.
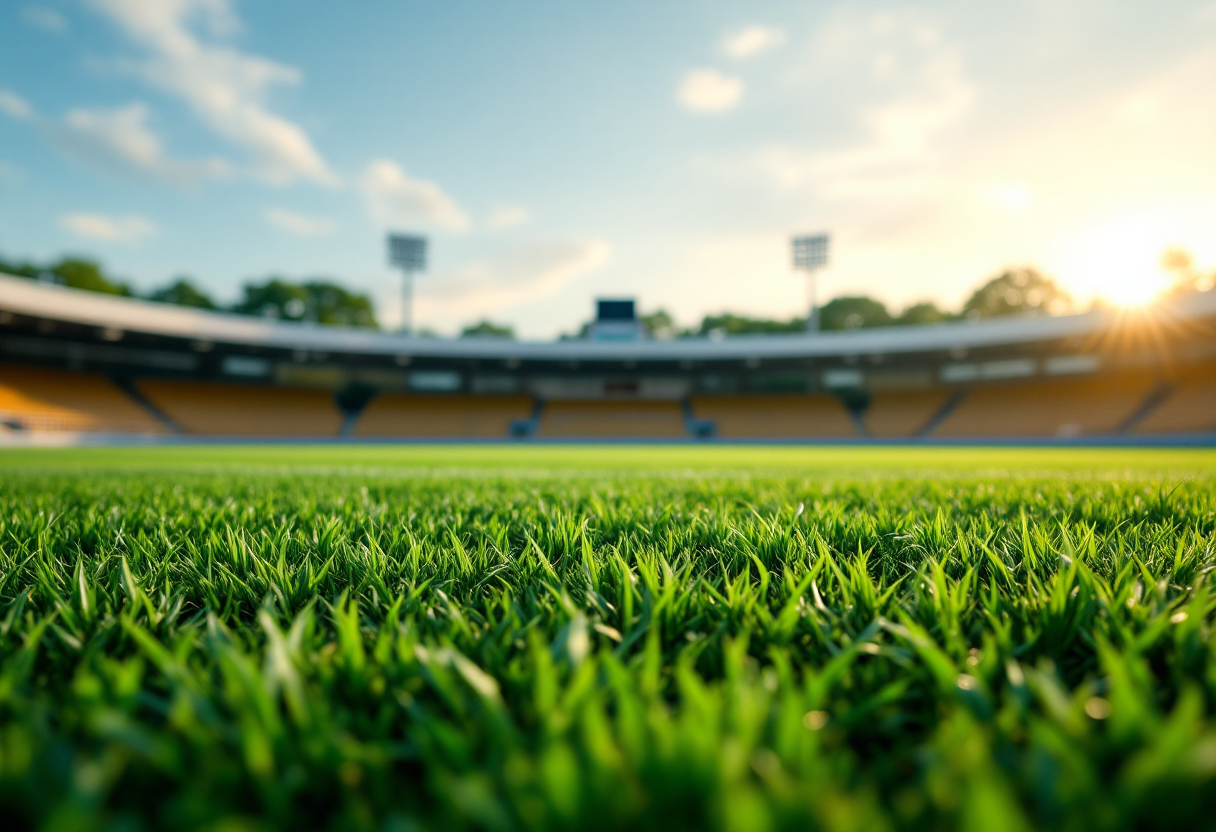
[612,420]
[903,413]
[817,416]
[1190,407]
[225,409]
[441,416]
[1054,407]
[62,400]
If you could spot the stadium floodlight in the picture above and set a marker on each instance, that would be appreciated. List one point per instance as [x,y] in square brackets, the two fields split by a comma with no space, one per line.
[811,255]
[408,253]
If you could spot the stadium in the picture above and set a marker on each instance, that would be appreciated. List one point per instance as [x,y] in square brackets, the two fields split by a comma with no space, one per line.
[574,514]
[79,365]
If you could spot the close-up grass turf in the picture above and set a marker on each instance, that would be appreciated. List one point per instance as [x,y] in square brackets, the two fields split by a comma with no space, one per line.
[398,638]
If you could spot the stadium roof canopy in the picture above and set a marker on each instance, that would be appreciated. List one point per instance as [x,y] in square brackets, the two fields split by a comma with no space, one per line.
[57,303]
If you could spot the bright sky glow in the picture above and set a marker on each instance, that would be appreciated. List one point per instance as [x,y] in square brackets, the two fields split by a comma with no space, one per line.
[555,152]
[1119,259]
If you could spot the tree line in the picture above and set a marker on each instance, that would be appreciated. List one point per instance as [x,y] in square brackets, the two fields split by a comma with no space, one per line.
[1017,291]
[318,300]
[1013,292]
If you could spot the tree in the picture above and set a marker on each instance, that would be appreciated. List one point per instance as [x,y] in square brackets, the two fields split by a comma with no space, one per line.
[87,275]
[924,313]
[488,329]
[318,301]
[333,304]
[70,271]
[182,293]
[1016,292]
[855,312]
[660,325]
[21,268]
[1187,277]
[276,298]
[730,324]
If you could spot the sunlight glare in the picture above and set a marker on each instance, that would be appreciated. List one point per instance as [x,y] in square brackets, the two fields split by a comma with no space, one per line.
[1119,261]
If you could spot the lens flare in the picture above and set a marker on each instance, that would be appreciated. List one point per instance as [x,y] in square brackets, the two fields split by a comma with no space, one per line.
[1119,261]
[1132,292]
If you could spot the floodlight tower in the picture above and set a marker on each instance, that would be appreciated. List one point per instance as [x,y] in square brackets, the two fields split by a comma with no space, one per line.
[811,255]
[408,253]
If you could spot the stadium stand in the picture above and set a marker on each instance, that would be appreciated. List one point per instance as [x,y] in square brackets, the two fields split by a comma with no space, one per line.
[1063,407]
[612,419]
[1190,406]
[224,409]
[75,362]
[441,416]
[39,399]
[904,413]
[818,416]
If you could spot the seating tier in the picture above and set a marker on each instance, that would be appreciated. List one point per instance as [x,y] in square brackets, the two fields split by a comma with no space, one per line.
[441,416]
[1190,407]
[612,420]
[903,413]
[815,416]
[1056,407]
[224,409]
[35,398]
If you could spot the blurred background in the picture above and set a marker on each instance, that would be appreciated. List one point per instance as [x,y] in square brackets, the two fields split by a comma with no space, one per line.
[556,152]
[833,221]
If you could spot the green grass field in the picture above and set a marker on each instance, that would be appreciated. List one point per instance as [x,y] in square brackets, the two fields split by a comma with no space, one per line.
[503,637]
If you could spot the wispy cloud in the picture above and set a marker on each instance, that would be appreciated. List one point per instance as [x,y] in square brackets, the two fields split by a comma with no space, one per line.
[709,91]
[898,142]
[225,87]
[44,18]
[395,199]
[920,92]
[751,41]
[119,141]
[508,216]
[14,106]
[126,229]
[300,225]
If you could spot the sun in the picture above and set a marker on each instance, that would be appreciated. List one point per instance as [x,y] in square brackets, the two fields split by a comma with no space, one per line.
[1119,259]
[1132,292]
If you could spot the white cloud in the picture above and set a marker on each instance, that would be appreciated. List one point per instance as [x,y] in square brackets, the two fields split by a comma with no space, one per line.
[14,106]
[44,18]
[508,216]
[225,87]
[509,278]
[395,199]
[898,148]
[119,141]
[128,229]
[301,225]
[709,91]
[881,162]
[751,41]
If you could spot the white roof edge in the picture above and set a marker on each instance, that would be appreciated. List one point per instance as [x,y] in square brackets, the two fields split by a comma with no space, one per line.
[59,303]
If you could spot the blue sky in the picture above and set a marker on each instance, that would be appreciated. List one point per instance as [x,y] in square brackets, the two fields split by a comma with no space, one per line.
[557,151]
